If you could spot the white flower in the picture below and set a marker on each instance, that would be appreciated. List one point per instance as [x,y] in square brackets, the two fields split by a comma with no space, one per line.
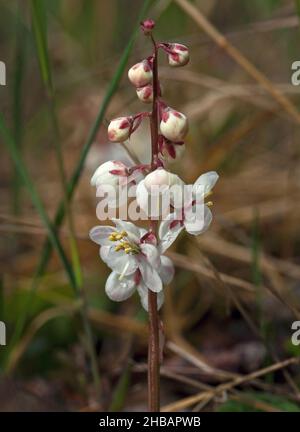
[119,129]
[194,205]
[109,173]
[113,180]
[173,125]
[161,177]
[155,192]
[178,55]
[135,259]
[145,94]
[121,289]
[140,74]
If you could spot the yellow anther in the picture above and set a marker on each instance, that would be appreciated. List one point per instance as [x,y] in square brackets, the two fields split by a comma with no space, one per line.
[119,247]
[116,236]
[128,250]
[209,204]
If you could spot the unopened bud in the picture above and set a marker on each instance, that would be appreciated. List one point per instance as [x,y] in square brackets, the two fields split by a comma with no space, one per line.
[145,94]
[109,173]
[161,177]
[147,26]
[119,129]
[140,74]
[173,125]
[178,55]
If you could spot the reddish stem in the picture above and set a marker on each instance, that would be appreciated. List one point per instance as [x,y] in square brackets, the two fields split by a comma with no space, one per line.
[153,348]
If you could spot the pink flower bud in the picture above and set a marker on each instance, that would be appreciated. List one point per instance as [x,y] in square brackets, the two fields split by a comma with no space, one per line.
[173,125]
[145,94]
[161,177]
[147,26]
[119,129]
[109,173]
[140,74]
[178,55]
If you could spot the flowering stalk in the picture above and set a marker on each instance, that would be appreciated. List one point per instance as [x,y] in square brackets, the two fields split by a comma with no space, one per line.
[153,347]
[136,255]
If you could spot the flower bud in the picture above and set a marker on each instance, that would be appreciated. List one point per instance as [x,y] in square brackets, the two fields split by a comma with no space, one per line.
[147,26]
[178,55]
[173,125]
[140,74]
[161,177]
[119,129]
[109,173]
[145,94]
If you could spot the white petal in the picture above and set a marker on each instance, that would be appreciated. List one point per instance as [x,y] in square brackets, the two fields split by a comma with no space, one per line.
[166,270]
[143,231]
[168,235]
[196,227]
[119,290]
[104,252]
[207,181]
[132,230]
[99,234]
[151,253]
[143,292]
[119,262]
[150,276]
[142,197]
[101,171]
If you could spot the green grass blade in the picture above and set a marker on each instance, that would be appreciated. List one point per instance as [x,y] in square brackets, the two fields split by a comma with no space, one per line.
[297,3]
[39,26]
[18,75]
[53,237]
[39,20]
[121,390]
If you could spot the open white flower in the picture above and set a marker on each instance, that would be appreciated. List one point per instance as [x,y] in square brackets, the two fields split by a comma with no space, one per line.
[136,260]
[120,289]
[110,173]
[112,178]
[194,206]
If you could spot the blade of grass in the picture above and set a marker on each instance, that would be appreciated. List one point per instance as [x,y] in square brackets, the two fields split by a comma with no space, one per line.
[39,24]
[18,76]
[59,216]
[53,236]
[121,390]
[297,3]
[48,247]
[17,159]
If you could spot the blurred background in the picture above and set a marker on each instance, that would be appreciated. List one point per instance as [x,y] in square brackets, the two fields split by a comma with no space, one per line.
[229,311]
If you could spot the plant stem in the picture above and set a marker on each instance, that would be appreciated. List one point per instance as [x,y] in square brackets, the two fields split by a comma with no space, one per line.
[154,114]
[153,347]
